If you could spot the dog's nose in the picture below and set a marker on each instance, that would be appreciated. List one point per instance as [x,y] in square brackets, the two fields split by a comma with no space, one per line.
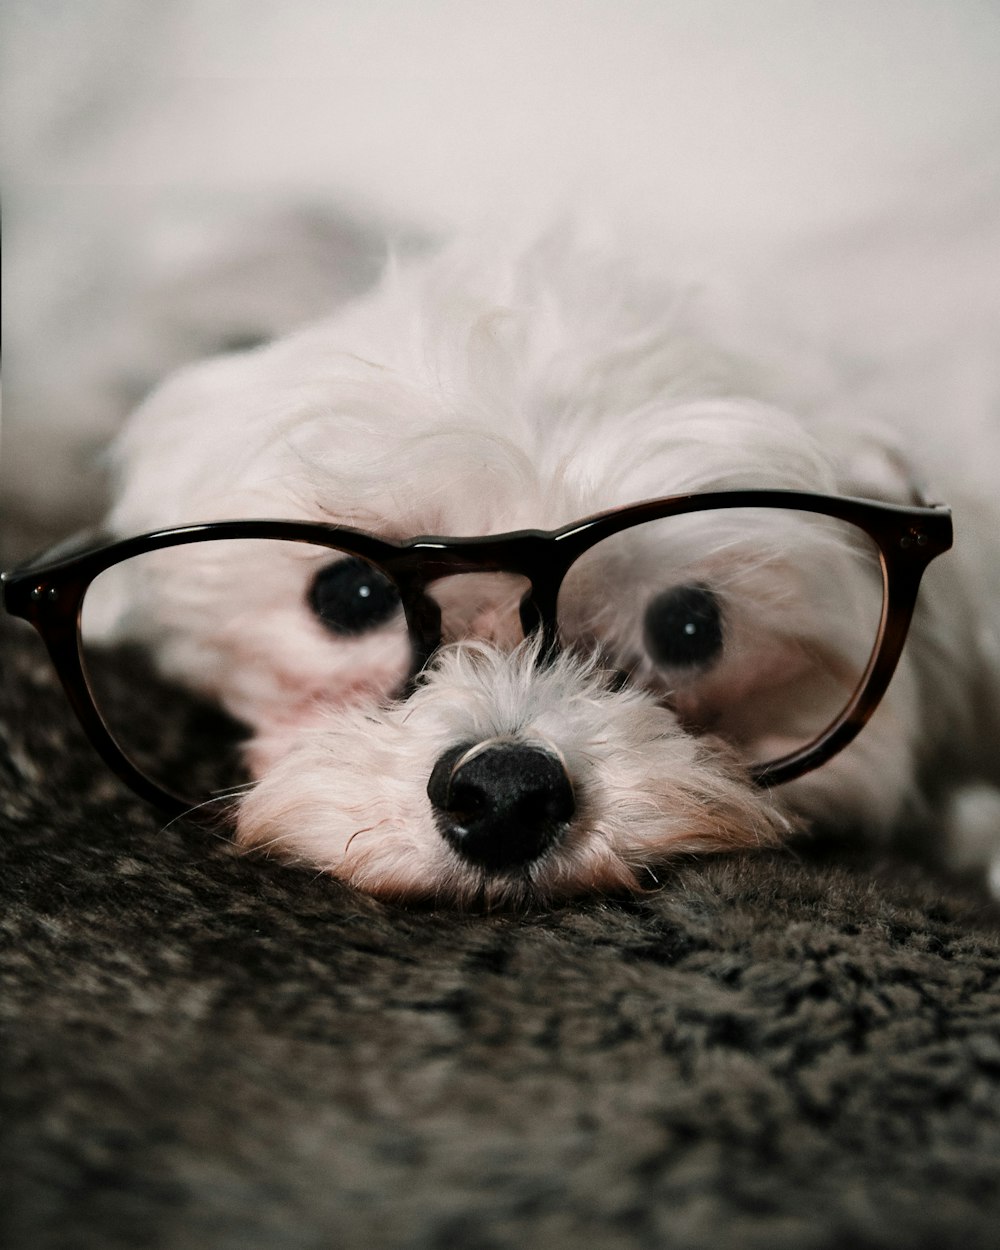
[500,804]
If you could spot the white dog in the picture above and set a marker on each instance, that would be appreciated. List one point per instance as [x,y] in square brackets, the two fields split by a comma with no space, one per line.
[483,392]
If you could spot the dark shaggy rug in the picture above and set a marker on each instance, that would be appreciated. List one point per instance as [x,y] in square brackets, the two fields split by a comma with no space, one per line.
[206,1051]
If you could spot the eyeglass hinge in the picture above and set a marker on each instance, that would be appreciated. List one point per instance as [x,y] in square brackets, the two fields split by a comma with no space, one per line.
[49,593]
[914,537]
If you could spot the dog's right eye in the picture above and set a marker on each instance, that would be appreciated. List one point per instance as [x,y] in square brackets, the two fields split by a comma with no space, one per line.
[352,597]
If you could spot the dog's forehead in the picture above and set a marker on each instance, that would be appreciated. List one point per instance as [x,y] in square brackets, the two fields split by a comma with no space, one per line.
[527,402]
[418,413]
[478,482]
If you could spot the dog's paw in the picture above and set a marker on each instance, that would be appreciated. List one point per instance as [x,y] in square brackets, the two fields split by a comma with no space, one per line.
[972,829]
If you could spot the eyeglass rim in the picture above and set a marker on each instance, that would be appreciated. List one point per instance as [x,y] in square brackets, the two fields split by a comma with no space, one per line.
[48,592]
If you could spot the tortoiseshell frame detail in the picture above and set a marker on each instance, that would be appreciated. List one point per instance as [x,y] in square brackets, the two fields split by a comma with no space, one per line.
[48,593]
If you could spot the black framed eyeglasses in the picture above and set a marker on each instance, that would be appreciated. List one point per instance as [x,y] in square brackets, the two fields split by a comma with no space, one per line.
[771,619]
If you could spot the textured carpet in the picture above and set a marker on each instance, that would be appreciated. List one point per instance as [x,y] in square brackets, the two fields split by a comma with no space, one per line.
[205,1051]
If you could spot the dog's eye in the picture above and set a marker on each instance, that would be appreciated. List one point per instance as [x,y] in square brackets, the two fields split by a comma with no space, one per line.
[351,597]
[683,627]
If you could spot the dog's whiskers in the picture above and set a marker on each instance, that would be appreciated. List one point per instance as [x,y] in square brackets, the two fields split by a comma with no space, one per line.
[277,840]
[221,797]
[358,833]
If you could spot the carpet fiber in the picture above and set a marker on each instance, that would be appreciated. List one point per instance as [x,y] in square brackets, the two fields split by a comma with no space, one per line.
[207,1051]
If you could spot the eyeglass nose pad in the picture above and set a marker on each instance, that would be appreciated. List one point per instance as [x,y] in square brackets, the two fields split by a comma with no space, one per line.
[534,620]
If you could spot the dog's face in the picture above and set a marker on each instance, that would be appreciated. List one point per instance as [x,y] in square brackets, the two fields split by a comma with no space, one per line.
[470,399]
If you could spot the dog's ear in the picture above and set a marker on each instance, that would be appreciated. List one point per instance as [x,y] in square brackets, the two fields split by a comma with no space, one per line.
[873,465]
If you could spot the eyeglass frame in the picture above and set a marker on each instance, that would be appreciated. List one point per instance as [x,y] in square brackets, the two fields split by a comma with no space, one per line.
[48,593]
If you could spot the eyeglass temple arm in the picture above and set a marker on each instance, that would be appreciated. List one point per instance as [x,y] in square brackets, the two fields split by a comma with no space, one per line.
[76,545]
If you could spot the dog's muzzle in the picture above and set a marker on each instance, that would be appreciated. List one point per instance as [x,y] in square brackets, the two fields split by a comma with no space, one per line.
[501,803]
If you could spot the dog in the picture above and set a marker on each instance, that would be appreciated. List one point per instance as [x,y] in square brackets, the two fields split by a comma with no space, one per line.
[490,390]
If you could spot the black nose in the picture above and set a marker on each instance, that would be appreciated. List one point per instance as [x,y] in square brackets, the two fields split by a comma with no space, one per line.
[501,804]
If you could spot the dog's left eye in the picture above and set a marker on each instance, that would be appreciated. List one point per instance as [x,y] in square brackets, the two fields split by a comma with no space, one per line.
[351,597]
[683,627]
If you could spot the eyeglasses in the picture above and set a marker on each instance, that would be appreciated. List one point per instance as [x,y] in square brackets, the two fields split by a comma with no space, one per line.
[771,619]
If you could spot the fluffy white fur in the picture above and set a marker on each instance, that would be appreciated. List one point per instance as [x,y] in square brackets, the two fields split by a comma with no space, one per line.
[486,390]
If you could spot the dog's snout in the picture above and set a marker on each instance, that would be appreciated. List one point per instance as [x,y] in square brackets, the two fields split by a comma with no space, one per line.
[501,804]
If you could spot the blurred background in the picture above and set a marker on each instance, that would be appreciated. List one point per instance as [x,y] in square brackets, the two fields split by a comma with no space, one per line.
[181,176]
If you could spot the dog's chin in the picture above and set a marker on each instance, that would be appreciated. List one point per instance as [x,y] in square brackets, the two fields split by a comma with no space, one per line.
[347,793]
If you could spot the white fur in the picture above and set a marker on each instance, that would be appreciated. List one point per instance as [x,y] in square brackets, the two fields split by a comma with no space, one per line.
[487,390]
